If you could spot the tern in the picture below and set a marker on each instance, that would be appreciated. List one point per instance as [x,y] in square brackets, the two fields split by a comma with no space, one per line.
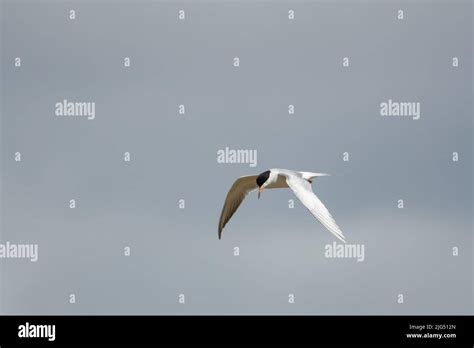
[298,182]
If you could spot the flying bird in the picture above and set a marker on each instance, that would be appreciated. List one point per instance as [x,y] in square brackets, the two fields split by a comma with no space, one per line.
[298,182]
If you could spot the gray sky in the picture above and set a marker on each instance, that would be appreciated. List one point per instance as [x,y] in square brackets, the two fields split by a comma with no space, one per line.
[407,251]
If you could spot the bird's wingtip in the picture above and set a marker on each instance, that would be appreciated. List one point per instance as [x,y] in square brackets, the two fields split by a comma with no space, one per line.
[341,237]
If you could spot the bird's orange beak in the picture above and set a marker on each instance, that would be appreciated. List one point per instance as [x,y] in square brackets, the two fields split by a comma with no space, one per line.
[260,190]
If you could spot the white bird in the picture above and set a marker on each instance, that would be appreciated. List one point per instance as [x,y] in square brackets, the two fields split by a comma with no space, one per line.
[298,182]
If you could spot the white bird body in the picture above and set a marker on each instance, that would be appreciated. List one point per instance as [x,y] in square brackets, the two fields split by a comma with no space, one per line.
[298,182]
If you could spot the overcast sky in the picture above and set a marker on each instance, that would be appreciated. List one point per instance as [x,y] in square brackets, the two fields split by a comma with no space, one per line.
[299,62]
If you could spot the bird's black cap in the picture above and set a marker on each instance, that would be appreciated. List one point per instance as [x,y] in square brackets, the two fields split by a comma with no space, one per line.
[262,178]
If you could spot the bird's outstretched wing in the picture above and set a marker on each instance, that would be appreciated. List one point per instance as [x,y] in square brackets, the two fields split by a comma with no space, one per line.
[237,193]
[305,194]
